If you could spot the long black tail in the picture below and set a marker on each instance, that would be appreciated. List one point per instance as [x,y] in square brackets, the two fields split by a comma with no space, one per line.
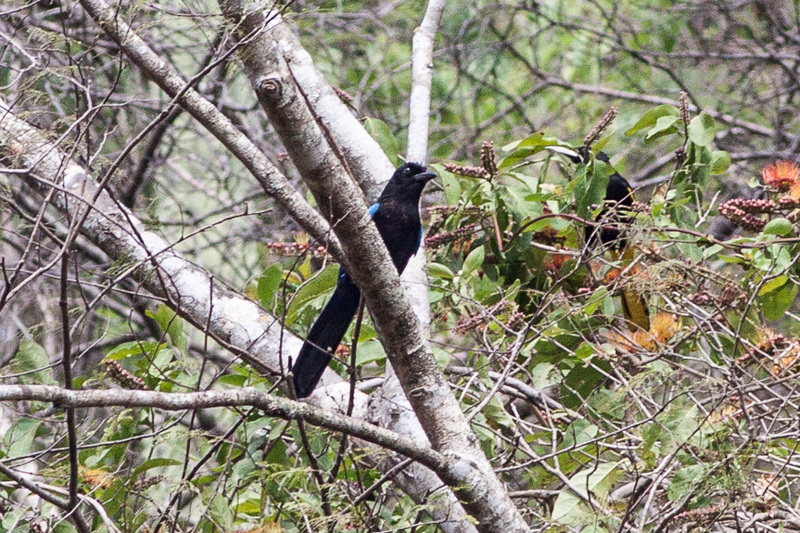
[325,336]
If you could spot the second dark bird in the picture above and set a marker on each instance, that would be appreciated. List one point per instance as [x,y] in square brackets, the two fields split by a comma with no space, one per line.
[396,215]
[619,203]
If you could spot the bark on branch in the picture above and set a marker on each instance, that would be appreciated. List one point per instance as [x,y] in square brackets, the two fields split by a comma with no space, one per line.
[269,177]
[245,397]
[324,169]
[235,322]
[421,74]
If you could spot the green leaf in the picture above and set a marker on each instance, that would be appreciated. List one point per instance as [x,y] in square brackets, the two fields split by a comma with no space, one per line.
[277,453]
[590,187]
[19,437]
[158,462]
[774,304]
[650,118]
[473,261]
[438,270]
[443,357]
[63,527]
[578,433]
[497,415]
[133,348]
[663,126]
[532,144]
[162,360]
[33,359]
[720,161]
[268,284]
[711,251]
[250,507]
[702,129]
[236,380]
[595,300]
[451,184]
[596,480]
[315,287]
[170,323]
[381,132]
[369,352]
[775,283]
[778,226]
[199,481]
[684,481]
[366,332]
[603,141]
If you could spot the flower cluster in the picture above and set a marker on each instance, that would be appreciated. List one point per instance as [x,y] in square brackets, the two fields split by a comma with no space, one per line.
[123,377]
[782,177]
[466,170]
[478,320]
[294,248]
[446,237]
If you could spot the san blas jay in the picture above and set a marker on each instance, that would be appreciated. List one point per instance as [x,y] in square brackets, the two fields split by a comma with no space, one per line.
[396,215]
[618,201]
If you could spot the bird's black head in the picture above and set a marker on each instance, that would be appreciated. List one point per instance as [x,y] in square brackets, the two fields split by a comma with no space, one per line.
[407,182]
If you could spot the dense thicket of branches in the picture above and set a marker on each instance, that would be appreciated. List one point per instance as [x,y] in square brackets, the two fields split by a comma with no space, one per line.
[136,221]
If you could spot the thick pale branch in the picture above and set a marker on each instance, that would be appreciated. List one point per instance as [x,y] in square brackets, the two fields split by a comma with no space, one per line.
[421,74]
[367,261]
[235,321]
[366,161]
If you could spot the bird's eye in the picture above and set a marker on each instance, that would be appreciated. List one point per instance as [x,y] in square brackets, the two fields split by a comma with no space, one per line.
[407,170]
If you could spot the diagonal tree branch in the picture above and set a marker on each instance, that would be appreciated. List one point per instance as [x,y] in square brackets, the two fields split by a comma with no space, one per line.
[235,322]
[366,161]
[269,177]
[324,170]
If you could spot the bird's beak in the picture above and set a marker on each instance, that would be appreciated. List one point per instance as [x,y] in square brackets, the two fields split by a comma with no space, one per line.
[425,177]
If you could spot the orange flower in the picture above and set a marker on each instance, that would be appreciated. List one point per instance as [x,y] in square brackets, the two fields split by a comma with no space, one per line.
[794,190]
[781,175]
[664,326]
[638,341]
[96,477]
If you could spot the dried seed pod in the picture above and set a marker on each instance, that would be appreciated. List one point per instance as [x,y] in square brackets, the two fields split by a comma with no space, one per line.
[489,159]
[123,377]
[683,106]
[435,241]
[468,171]
[601,126]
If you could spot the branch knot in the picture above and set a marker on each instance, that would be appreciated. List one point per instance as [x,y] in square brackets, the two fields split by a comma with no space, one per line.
[271,87]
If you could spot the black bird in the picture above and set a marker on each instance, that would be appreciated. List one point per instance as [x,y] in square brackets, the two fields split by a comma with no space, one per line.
[396,215]
[616,212]
[619,203]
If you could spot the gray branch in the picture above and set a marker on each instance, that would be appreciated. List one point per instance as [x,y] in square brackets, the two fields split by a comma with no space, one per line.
[269,177]
[421,74]
[272,405]
[323,168]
